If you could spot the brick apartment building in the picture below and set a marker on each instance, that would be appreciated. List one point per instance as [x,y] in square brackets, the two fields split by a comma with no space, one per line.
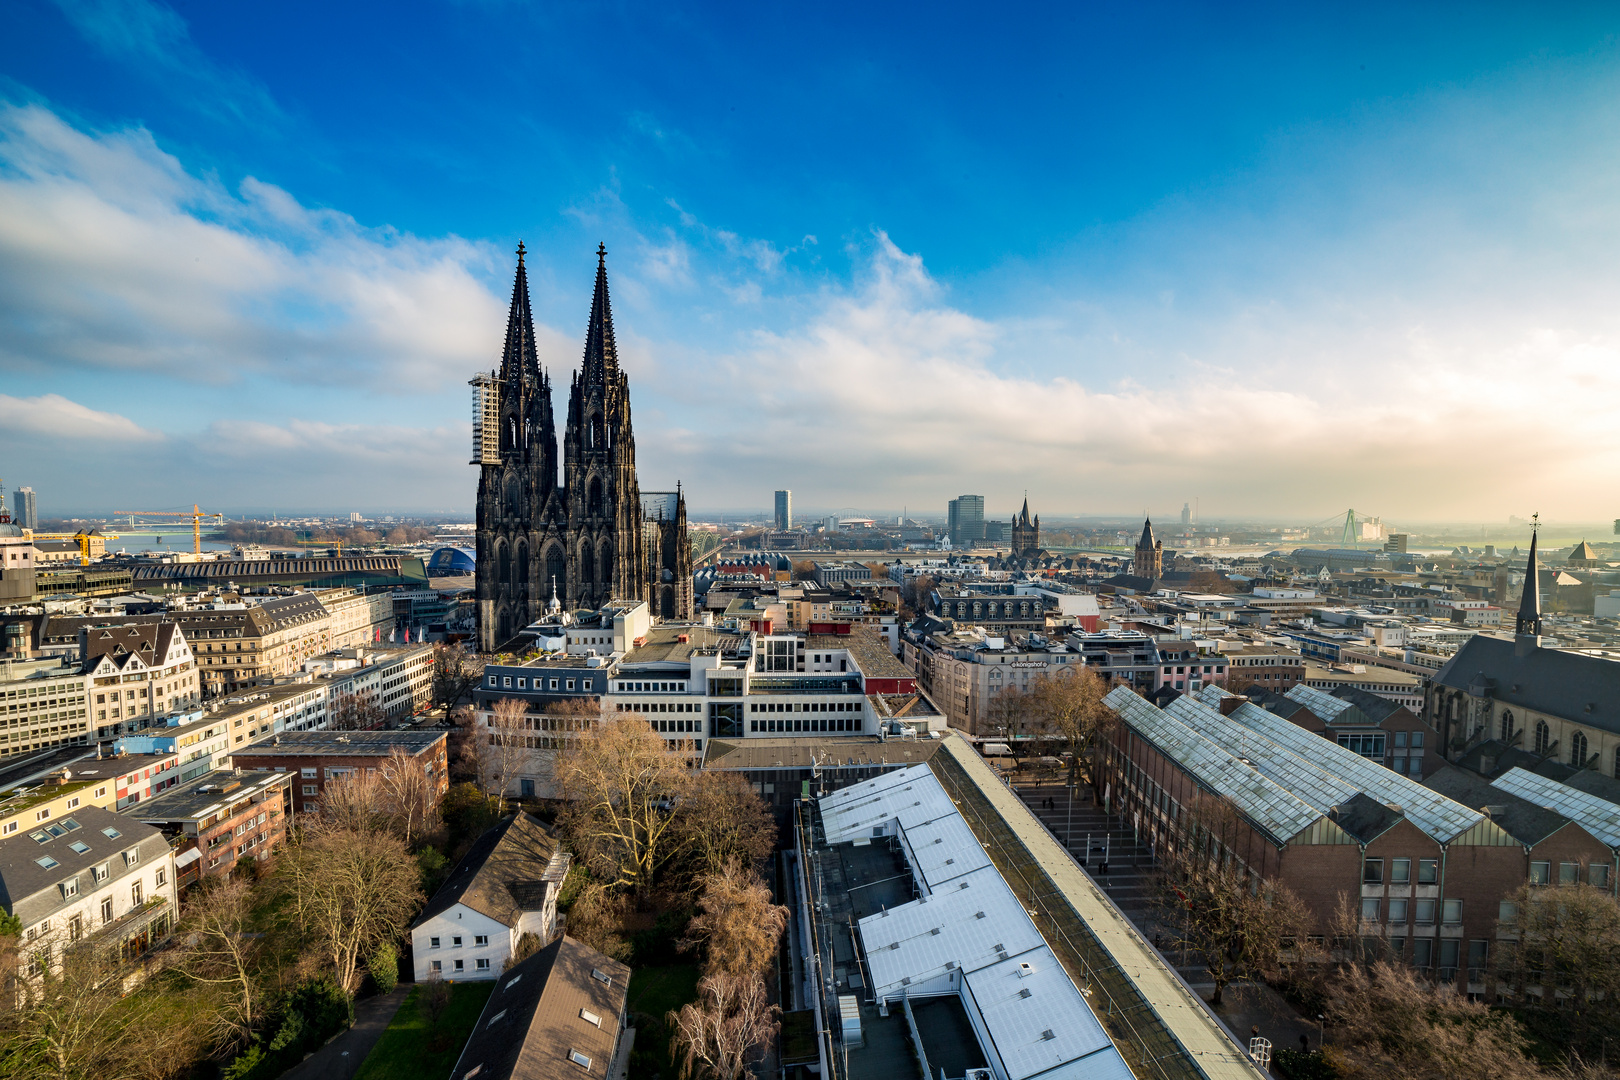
[219,819]
[316,757]
[1426,872]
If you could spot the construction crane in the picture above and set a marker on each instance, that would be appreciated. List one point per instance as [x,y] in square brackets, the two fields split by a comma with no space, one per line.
[195,515]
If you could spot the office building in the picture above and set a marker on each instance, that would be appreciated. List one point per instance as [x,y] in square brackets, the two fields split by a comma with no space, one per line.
[965,520]
[27,509]
[784,509]
[92,878]
[219,819]
[319,756]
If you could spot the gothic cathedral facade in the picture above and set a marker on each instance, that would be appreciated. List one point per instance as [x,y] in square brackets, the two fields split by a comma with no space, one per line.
[597,536]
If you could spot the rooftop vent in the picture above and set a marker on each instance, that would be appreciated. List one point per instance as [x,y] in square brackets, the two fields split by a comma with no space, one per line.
[1024,993]
[1048,1035]
[1025,970]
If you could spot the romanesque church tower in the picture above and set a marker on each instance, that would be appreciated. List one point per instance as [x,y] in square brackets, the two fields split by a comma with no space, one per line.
[584,542]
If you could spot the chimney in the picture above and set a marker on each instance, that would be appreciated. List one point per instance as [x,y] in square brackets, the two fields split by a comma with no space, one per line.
[1231,703]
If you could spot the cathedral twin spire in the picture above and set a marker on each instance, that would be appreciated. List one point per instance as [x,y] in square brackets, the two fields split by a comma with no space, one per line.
[519,359]
[601,364]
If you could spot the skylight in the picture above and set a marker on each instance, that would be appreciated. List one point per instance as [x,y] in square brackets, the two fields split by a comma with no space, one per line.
[47,862]
[79,846]
[111,833]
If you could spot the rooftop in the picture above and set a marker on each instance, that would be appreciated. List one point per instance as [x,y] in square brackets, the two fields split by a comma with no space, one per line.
[843,751]
[342,743]
[505,873]
[539,1016]
[663,644]
[209,794]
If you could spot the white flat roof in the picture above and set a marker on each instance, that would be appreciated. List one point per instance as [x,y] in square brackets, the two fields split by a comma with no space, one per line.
[1035,1021]
[1019,997]
[963,927]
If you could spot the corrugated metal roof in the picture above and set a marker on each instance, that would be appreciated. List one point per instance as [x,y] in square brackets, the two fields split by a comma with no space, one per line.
[971,923]
[1439,817]
[944,849]
[1320,702]
[1269,805]
[1597,816]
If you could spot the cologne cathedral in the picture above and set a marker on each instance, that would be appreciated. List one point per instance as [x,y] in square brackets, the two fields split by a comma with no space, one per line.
[594,538]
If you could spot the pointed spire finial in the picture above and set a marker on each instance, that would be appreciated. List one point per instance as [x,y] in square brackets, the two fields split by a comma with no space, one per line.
[601,254]
[520,251]
[1529,620]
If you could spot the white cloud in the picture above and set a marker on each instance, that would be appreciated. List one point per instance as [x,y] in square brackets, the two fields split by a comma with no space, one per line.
[113,256]
[53,417]
[890,393]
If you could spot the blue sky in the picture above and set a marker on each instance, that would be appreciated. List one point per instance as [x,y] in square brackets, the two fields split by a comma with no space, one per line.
[1280,260]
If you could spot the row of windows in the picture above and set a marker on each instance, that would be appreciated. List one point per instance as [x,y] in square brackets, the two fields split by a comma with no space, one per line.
[522,683]
[479,941]
[1422,911]
[832,723]
[804,706]
[1400,872]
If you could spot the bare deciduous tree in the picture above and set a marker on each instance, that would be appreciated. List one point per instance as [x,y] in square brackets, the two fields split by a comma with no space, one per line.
[622,783]
[1238,926]
[508,733]
[737,925]
[1069,703]
[354,712]
[726,1030]
[225,954]
[1390,1026]
[723,821]
[455,672]
[1568,936]
[350,891]
[410,793]
[74,1021]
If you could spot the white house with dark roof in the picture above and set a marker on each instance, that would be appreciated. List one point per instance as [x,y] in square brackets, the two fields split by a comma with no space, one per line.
[504,888]
[92,875]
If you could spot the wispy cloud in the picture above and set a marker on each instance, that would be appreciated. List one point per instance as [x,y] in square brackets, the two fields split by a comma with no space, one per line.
[152,38]
[114,256]
[55,419]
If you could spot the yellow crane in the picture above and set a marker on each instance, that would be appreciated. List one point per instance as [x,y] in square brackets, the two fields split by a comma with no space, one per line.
[195,515]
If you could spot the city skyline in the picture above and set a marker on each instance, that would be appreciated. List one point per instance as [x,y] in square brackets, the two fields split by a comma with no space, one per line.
[226,263]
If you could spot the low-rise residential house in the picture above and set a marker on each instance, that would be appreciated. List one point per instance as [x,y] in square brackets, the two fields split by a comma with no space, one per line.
[219,819]
[90,876]
[316,757]
[505,887]
[559,1014]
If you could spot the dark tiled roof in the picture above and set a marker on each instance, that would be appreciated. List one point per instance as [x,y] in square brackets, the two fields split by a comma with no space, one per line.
[501,875]
[1577,687]
[535,1017]
[1523,820]
[22,877]
[1366,818]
